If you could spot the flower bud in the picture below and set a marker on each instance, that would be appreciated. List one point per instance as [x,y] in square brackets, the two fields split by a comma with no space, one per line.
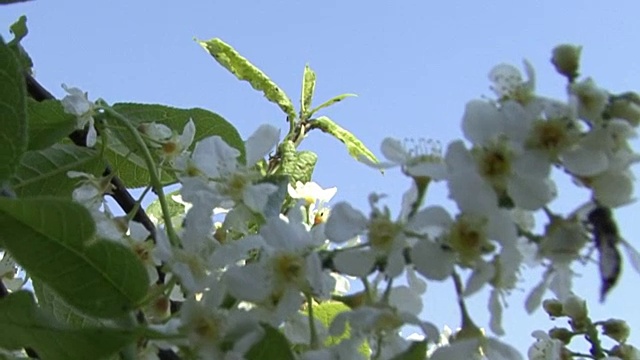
[625,352]
[575,308]
[627,107]
[553,307]
[566,59]
[561,334]
[616,329]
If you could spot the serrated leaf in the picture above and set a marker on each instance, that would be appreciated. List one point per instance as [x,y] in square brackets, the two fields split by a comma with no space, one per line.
[274,345]
[416,351]
[62,312]
[243,69]
[48,123]
[308,88]
[22,325]
[298,165]
[13,113]
[54,241]
[333,100]
[355,147]
[44,172]
[132,169]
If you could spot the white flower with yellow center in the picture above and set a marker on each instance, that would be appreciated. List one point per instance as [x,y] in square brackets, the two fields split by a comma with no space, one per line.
[417,158]
[286,268]
[508,83]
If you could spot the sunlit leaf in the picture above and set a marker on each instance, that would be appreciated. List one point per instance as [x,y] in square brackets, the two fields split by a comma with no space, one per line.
[308,88]
[13,113]
[54,241]
[243,69]
[298,165]
[355,147]
[330,102]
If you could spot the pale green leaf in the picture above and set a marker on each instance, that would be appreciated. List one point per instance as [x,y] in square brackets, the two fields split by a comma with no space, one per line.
[176,210]
[19,29]
[243,69]
[326,312]
[54,241]
[132,169]
[48,123]
[330,102]
[274,345]
[298,165]
[23,324]
[355,147]
[44,172]
[13,113]
[308,88]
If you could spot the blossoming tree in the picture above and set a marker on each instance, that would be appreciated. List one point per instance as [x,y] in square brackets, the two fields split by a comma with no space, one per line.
[247,260]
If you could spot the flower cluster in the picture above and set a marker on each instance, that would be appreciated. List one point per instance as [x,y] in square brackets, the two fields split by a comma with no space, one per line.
[253,268]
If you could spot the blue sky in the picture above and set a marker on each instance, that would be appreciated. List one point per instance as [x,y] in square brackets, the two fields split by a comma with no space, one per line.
[414,65]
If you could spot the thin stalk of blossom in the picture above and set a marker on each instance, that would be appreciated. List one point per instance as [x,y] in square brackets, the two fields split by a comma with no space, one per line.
[153,171]
[422,184]
[387,292]
[468,327]
[314,342]
[591,335]
[137,204]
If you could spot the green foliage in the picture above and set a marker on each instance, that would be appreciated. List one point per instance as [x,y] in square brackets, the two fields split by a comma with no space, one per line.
[20,31]
[130,167]
[54,240]
[48,123]
[62,312]
[243,69]
[23,324]
[176,210]
[327,311]
[274,345]
[355,147]
[416,351]
[298,165]
[308,88]
[326,104]
[44,172]
[13,113]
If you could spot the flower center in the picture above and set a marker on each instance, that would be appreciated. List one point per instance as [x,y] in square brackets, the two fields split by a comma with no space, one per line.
[290,268]
[382,233]
[550,135]
[468,238]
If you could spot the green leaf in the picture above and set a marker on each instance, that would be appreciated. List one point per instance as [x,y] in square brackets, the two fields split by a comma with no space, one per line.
[231,60]
[176,210]
[355,147]
[13,113]
[298,165]
[330,102]
[64,313]
[272,346]
[131,167]
[48,123]
[44,172]
[20,31]
[416,351]
[326,312]
[54,241]
[22,325]
[308,88]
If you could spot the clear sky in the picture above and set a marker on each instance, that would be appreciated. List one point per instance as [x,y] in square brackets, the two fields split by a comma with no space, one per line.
[414,65]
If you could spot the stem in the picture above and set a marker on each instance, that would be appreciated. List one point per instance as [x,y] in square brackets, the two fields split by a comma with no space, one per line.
[151,166]
[314,342]
[591,335]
